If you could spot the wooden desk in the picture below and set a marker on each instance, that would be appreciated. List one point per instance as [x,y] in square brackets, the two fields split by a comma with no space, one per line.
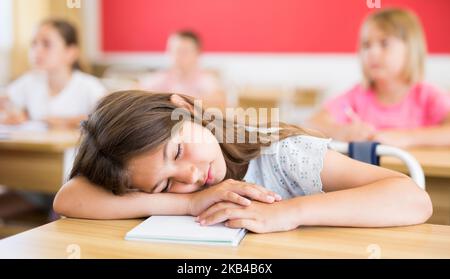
[436,165]
[434,161]
[37,161]
[104,239]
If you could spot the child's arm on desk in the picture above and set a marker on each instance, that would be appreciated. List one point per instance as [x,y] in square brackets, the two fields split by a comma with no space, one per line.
[355,130]
[356,195]
[362,195]
[10,115]
[438,135]
[80,198]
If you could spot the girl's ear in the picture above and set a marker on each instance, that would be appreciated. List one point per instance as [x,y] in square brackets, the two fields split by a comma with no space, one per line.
[181,102]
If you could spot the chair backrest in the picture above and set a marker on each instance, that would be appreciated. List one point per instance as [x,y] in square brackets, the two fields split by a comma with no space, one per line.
[379,150]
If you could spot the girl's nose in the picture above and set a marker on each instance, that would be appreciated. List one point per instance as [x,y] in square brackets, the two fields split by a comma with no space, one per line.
[189,175]
[375,50]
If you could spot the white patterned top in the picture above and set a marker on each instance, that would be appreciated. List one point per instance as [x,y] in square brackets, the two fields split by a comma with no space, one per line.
[290,167]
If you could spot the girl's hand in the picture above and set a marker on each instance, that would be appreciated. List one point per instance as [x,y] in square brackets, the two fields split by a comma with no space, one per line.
[4,102]
[257,217]
[13,118]
[231,191]
[9,114]
[357,129]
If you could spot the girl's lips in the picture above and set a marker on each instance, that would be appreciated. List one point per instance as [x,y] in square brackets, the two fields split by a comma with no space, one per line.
[209,177]
[375,66]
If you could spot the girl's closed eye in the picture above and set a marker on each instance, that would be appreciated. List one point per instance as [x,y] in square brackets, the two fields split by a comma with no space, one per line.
[166,188]
[177,156]
[179,151]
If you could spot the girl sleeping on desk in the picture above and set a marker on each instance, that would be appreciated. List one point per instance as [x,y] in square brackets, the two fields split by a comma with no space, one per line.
[139,157]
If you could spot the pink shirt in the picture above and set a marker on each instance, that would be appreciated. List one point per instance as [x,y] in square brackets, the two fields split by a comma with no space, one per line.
[424,105]
[199,85]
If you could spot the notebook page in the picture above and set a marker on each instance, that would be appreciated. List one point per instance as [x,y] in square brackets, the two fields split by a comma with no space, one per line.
[184,229]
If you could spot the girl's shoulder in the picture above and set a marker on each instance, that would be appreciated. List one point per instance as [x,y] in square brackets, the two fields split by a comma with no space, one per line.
[29,81]
[424,93]
[89,84]
[292,166]
[426,89]
[358,90]
[30,77]
[86,78]
[294,145]
[358,94]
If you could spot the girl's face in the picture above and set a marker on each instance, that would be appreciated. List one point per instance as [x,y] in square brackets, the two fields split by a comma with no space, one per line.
[190,160]
[183,52]
[49,51]
[383,57]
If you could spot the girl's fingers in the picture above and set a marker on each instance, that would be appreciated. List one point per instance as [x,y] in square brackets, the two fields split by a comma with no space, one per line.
[277,197]
[223,215]
[215,208]
[236,198]
[255,194]
[248,224]
[267,191]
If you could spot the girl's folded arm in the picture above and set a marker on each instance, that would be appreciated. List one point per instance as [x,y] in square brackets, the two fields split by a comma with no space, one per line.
[363,195]
[437,135]
[79,198]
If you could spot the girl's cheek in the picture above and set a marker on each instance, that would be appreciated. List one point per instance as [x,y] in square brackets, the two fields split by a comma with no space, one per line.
[396,61]
[365,60]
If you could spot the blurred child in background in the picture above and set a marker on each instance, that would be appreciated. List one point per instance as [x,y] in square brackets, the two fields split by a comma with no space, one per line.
[55,90]
[392,105]
[184,75]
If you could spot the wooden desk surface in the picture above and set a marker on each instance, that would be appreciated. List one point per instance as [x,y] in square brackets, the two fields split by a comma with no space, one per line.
[44,156]
[434,161]
[104,239]
[40,141]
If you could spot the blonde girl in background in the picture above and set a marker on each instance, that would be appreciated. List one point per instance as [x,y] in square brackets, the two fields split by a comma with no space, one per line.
[392,105]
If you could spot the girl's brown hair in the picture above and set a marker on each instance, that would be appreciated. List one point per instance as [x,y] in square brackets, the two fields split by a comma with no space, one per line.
[68,32]
[406,26]
[128,123]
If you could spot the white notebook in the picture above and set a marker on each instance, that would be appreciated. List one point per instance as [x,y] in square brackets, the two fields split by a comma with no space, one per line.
[184,229]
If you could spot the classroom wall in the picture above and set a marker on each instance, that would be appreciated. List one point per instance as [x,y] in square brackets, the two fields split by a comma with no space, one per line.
[282,26]
[331,72]
[325,62]
[306,51]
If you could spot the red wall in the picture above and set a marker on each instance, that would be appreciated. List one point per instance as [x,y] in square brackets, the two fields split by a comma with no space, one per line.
[257,25]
